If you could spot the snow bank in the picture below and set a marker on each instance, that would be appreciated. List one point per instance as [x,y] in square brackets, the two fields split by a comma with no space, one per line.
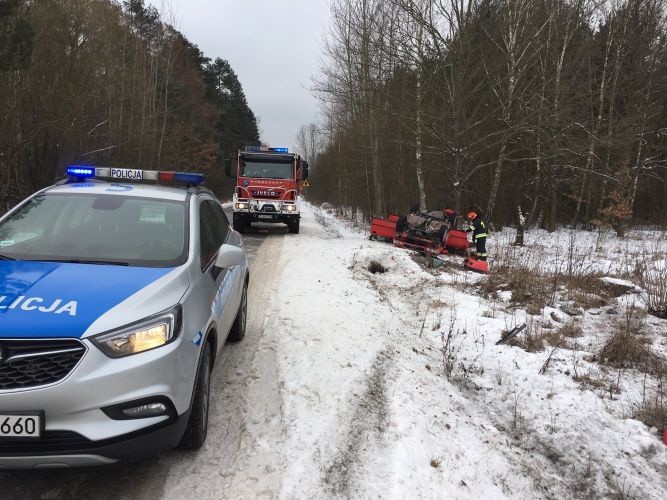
[393,385]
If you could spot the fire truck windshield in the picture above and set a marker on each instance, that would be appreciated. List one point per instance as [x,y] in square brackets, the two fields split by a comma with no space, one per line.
[267,170]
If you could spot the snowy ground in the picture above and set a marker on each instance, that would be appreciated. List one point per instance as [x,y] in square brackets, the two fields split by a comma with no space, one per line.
[392,385]
[357,385]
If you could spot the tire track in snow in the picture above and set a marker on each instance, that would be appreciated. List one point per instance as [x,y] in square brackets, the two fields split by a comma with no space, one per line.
[368,424]
[238,460]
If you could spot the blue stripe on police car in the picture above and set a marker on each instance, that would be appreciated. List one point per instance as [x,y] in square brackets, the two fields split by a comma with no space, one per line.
[46,300]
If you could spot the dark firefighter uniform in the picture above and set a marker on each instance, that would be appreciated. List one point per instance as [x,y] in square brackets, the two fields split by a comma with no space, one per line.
[478,229]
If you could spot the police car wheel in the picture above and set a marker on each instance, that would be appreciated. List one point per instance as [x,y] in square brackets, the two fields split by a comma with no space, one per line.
[238,328]
[197,429]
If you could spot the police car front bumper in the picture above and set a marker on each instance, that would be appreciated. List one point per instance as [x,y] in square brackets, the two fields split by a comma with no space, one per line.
[80,427]
[72,450]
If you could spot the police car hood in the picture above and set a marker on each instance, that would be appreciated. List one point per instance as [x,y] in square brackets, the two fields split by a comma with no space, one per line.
[64,300]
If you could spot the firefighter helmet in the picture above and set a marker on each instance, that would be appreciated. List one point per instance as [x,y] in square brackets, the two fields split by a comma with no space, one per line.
[472,215]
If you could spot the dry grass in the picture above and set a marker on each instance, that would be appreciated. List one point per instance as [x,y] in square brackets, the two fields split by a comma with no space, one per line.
[533,288]
[654,283]
[653,411]
[535,338]
[630,347]
[571,330]
[529,288]
[555,339]
[587,381]
[585,290]
[531,339]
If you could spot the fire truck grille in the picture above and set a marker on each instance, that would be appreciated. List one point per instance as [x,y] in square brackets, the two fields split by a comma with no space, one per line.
[268,208]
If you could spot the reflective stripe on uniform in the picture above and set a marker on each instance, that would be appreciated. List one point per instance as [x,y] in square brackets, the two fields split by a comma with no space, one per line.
[482,235]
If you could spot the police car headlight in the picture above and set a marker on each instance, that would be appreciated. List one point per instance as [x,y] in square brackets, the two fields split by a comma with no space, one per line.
[142,336]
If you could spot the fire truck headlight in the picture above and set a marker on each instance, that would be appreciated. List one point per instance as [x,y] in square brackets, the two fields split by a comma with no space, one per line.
[290,208]
[242,206]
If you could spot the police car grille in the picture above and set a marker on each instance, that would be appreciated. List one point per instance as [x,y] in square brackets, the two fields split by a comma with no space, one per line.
[32,363]
[49,442]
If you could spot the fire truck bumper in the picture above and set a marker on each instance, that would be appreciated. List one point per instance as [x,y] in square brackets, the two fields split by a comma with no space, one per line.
[248,217]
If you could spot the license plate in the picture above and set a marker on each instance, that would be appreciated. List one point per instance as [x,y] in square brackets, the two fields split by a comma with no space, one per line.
[265,216]
[29,426]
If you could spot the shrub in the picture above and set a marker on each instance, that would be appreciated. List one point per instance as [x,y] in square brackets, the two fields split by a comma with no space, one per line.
[654,283]
[653,411]
[629,347]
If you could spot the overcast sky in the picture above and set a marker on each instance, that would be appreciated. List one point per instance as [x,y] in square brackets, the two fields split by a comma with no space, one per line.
[274,48]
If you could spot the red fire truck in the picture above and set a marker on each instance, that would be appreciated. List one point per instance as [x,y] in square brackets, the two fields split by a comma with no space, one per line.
[268,186]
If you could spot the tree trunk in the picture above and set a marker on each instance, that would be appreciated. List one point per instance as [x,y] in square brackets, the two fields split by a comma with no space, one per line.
[490,207]
[520,227]
[553,208]
[418,147]
[596,127]
[378,184]
[457,183]
[418,129]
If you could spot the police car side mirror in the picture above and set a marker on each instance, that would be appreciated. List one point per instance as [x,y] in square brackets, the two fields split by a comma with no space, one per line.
[229,256]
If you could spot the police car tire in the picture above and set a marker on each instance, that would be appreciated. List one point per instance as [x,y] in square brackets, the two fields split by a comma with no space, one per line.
[197,428]
[237,332]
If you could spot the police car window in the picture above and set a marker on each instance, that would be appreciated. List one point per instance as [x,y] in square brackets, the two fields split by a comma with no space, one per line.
[98,228]
[35,222]
[222,221]
[209,237]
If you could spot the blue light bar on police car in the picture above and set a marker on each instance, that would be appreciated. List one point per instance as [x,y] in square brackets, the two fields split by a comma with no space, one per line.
[130,174]
[80,172]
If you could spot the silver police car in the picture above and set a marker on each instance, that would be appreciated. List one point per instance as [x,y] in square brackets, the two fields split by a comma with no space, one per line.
[116,298]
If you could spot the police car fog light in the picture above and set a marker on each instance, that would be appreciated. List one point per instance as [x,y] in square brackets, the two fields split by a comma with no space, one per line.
[143,336]
[154,406]
[147,410]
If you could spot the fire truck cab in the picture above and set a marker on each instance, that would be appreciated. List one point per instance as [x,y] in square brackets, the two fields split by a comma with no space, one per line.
[268,186]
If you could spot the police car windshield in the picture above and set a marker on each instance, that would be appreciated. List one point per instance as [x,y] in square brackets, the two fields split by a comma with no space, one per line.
[267,170]
[111,229]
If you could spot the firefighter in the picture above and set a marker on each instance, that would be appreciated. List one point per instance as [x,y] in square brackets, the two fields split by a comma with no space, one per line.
[478,229]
